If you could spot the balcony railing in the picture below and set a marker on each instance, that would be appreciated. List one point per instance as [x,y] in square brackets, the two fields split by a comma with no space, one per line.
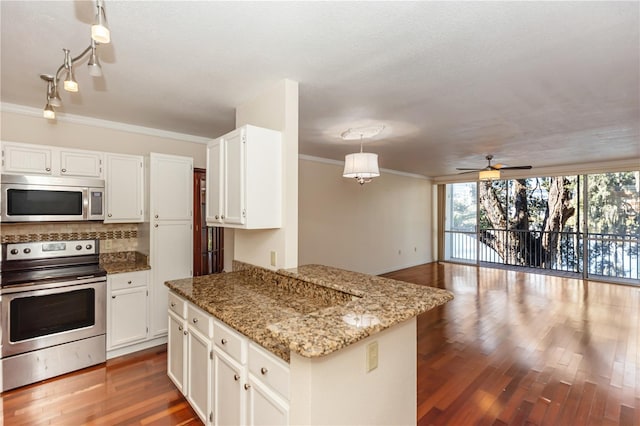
[607,255]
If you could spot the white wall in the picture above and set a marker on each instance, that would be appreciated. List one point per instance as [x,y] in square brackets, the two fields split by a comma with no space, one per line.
[382,226]
[277,109]
[17,127]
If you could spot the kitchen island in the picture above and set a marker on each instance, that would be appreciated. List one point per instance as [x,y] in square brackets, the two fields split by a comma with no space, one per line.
[346,341]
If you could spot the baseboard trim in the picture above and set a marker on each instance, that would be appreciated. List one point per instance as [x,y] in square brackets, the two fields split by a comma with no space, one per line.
[136,347]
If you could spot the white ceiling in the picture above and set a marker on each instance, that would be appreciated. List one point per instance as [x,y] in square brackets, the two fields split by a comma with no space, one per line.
[540,83]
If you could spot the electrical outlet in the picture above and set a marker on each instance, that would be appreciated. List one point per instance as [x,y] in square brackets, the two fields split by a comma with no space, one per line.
[372,356]
[274,258]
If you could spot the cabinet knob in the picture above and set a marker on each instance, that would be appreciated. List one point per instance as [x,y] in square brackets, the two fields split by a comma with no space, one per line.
[180,328]
[247,386]
[223,341]
[185,332]
[221,217]
[64,170]
[109,215]
[156,216]
[173,304]
[48,169]
[195,320]
[155,226]
[113,297]
[236,377]
[264,370]
[217,217]
[129,282]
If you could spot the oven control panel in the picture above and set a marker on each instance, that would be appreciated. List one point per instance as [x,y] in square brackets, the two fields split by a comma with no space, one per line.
[49,249]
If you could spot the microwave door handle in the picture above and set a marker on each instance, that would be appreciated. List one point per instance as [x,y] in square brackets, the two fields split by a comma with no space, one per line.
[85,203]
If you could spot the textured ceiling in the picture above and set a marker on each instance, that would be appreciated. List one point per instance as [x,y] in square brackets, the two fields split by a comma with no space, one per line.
[540,83]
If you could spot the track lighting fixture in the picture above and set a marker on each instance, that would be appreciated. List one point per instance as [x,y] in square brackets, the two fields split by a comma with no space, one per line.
[99,34]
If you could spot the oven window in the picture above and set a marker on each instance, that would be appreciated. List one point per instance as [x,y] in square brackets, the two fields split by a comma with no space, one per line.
[23,202]
[37,316]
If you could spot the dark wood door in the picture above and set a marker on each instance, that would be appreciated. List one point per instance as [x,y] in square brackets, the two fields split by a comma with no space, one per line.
[208,241]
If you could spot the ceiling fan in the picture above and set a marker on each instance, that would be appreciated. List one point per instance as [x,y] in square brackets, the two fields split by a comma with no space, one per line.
[492,171]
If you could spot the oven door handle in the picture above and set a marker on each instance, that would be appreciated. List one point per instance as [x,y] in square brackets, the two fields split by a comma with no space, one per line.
[35,286]
[84,277]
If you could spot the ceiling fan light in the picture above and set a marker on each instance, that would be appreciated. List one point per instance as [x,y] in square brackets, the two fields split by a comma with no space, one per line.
[489,175]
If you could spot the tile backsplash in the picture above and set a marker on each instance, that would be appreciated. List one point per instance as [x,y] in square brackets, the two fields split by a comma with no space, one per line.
[113,237]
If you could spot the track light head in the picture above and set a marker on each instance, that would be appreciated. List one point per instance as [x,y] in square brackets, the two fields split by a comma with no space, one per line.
[100,29]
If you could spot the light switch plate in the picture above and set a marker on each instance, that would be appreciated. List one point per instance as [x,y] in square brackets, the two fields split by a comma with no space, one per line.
[372,356]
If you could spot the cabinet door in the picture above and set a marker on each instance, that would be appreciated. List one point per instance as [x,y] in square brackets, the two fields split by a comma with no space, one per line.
[199,373]
[264,406]
[127,322]
[215,180]
[229,393]
[177,348]
[171,187]
[124,188]
[28,159]
[234,205]
[171,258]
[80,163]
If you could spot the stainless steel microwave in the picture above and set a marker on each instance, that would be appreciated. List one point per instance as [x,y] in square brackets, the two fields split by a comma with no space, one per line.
[49,198]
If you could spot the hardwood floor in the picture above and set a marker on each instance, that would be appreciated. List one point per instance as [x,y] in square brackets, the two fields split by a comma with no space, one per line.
[511,349]
[129,390]
[515,348]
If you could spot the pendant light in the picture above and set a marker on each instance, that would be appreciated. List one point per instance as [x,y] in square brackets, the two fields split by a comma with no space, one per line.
[361,166]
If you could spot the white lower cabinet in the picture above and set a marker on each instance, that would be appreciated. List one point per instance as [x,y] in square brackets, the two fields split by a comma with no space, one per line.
[268,398]
[229,392]
[227,379]
[190,357]
[264,406]
[199,373]
[127,309]
[177,348]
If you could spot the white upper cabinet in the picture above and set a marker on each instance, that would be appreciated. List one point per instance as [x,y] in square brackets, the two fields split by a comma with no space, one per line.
[19,158]
[80,163]
[171,181]
[124,186]
[27,159]
[244,179]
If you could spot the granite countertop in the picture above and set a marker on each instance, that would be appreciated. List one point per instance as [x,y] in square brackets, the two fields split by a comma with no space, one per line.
[119,262]
[312,310]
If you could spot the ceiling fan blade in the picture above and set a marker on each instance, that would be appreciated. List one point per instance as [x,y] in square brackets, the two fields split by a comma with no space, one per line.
[468,171]
[471,170]
[517,168]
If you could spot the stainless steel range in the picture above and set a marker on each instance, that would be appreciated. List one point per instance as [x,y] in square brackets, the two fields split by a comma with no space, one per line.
[52,310]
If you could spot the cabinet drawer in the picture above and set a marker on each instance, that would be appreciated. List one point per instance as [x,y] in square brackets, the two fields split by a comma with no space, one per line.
[200,320]
[177,305]
[129,280]
[230,341]
[269,369]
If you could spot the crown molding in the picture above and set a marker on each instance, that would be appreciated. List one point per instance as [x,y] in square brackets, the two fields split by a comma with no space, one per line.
[106,124]
[341,163]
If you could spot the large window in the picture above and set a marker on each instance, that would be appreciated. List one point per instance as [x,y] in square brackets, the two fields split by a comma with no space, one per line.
[587,225]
